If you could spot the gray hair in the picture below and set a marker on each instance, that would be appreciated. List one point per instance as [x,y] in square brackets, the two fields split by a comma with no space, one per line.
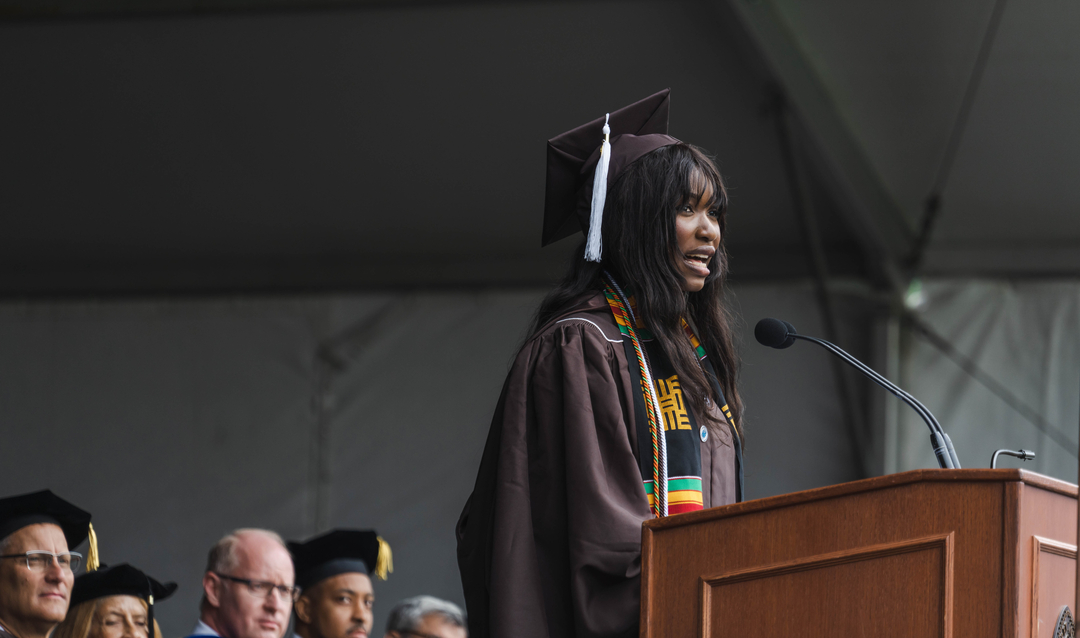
[222,557]
[409,613]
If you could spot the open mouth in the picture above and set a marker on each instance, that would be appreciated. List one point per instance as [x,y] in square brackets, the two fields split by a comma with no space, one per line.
[698,261]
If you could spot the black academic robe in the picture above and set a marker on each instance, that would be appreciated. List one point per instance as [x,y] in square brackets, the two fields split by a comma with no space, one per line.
[549,542]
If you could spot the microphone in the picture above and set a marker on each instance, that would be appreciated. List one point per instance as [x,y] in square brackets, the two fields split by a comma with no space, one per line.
[774,333]
[781,334]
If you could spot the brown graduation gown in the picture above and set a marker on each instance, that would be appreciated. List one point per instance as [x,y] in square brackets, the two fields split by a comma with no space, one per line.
[549,542]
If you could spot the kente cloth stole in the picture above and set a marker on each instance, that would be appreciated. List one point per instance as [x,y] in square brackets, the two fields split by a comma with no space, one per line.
[707,366]
[665,424]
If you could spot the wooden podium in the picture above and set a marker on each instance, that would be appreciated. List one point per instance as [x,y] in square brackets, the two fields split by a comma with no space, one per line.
[952,553]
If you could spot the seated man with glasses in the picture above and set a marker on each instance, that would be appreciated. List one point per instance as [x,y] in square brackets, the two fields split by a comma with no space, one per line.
[248,587]
[36,565]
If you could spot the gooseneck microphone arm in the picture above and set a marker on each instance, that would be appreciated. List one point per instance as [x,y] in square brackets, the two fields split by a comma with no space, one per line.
[781,334]
[943,448]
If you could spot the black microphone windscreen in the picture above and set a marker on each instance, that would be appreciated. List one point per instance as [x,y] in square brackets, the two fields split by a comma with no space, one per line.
[774,333]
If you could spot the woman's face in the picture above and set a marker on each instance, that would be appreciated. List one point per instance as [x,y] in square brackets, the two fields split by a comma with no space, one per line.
[697,236]
[119,617]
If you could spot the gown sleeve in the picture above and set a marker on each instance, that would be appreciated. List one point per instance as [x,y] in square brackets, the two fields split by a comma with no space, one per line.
[550,541]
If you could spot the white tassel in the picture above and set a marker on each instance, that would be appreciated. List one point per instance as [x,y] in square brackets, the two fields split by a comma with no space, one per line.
[599,196]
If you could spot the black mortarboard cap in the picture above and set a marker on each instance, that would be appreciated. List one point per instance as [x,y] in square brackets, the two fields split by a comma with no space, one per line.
[338,552]
[119,580]
[17,512]
[572,157]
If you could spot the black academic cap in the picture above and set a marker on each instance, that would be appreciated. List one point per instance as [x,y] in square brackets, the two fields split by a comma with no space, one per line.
[572,157]
[338,552]
[17,512]
[119,580]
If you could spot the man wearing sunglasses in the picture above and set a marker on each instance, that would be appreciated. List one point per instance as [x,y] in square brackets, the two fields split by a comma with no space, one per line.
[36,566]
[248,588]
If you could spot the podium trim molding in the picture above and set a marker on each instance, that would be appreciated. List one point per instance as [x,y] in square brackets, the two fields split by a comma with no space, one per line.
[944,542]
[1042,545]
[866,485]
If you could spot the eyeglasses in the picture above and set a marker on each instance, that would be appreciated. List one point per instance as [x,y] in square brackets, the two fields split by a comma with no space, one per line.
[38,560]
[262,589]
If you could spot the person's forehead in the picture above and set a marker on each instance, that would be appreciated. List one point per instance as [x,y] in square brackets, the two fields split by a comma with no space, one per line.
[44,536]
[350,581]
[436,624]
[120,605]
[257,554]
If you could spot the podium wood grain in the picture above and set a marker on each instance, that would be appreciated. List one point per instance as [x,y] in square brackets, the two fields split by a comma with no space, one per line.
[951,553]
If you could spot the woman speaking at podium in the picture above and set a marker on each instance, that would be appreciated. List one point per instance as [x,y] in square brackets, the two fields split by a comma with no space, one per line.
[621,406]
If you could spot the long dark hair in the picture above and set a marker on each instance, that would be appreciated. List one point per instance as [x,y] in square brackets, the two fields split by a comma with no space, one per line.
[639,250]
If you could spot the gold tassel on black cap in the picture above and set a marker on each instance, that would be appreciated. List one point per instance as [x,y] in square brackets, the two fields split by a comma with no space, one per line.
[151,626]
[92,560]
[384,564]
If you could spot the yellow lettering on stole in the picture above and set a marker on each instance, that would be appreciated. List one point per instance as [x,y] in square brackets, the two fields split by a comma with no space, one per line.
[672,405]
